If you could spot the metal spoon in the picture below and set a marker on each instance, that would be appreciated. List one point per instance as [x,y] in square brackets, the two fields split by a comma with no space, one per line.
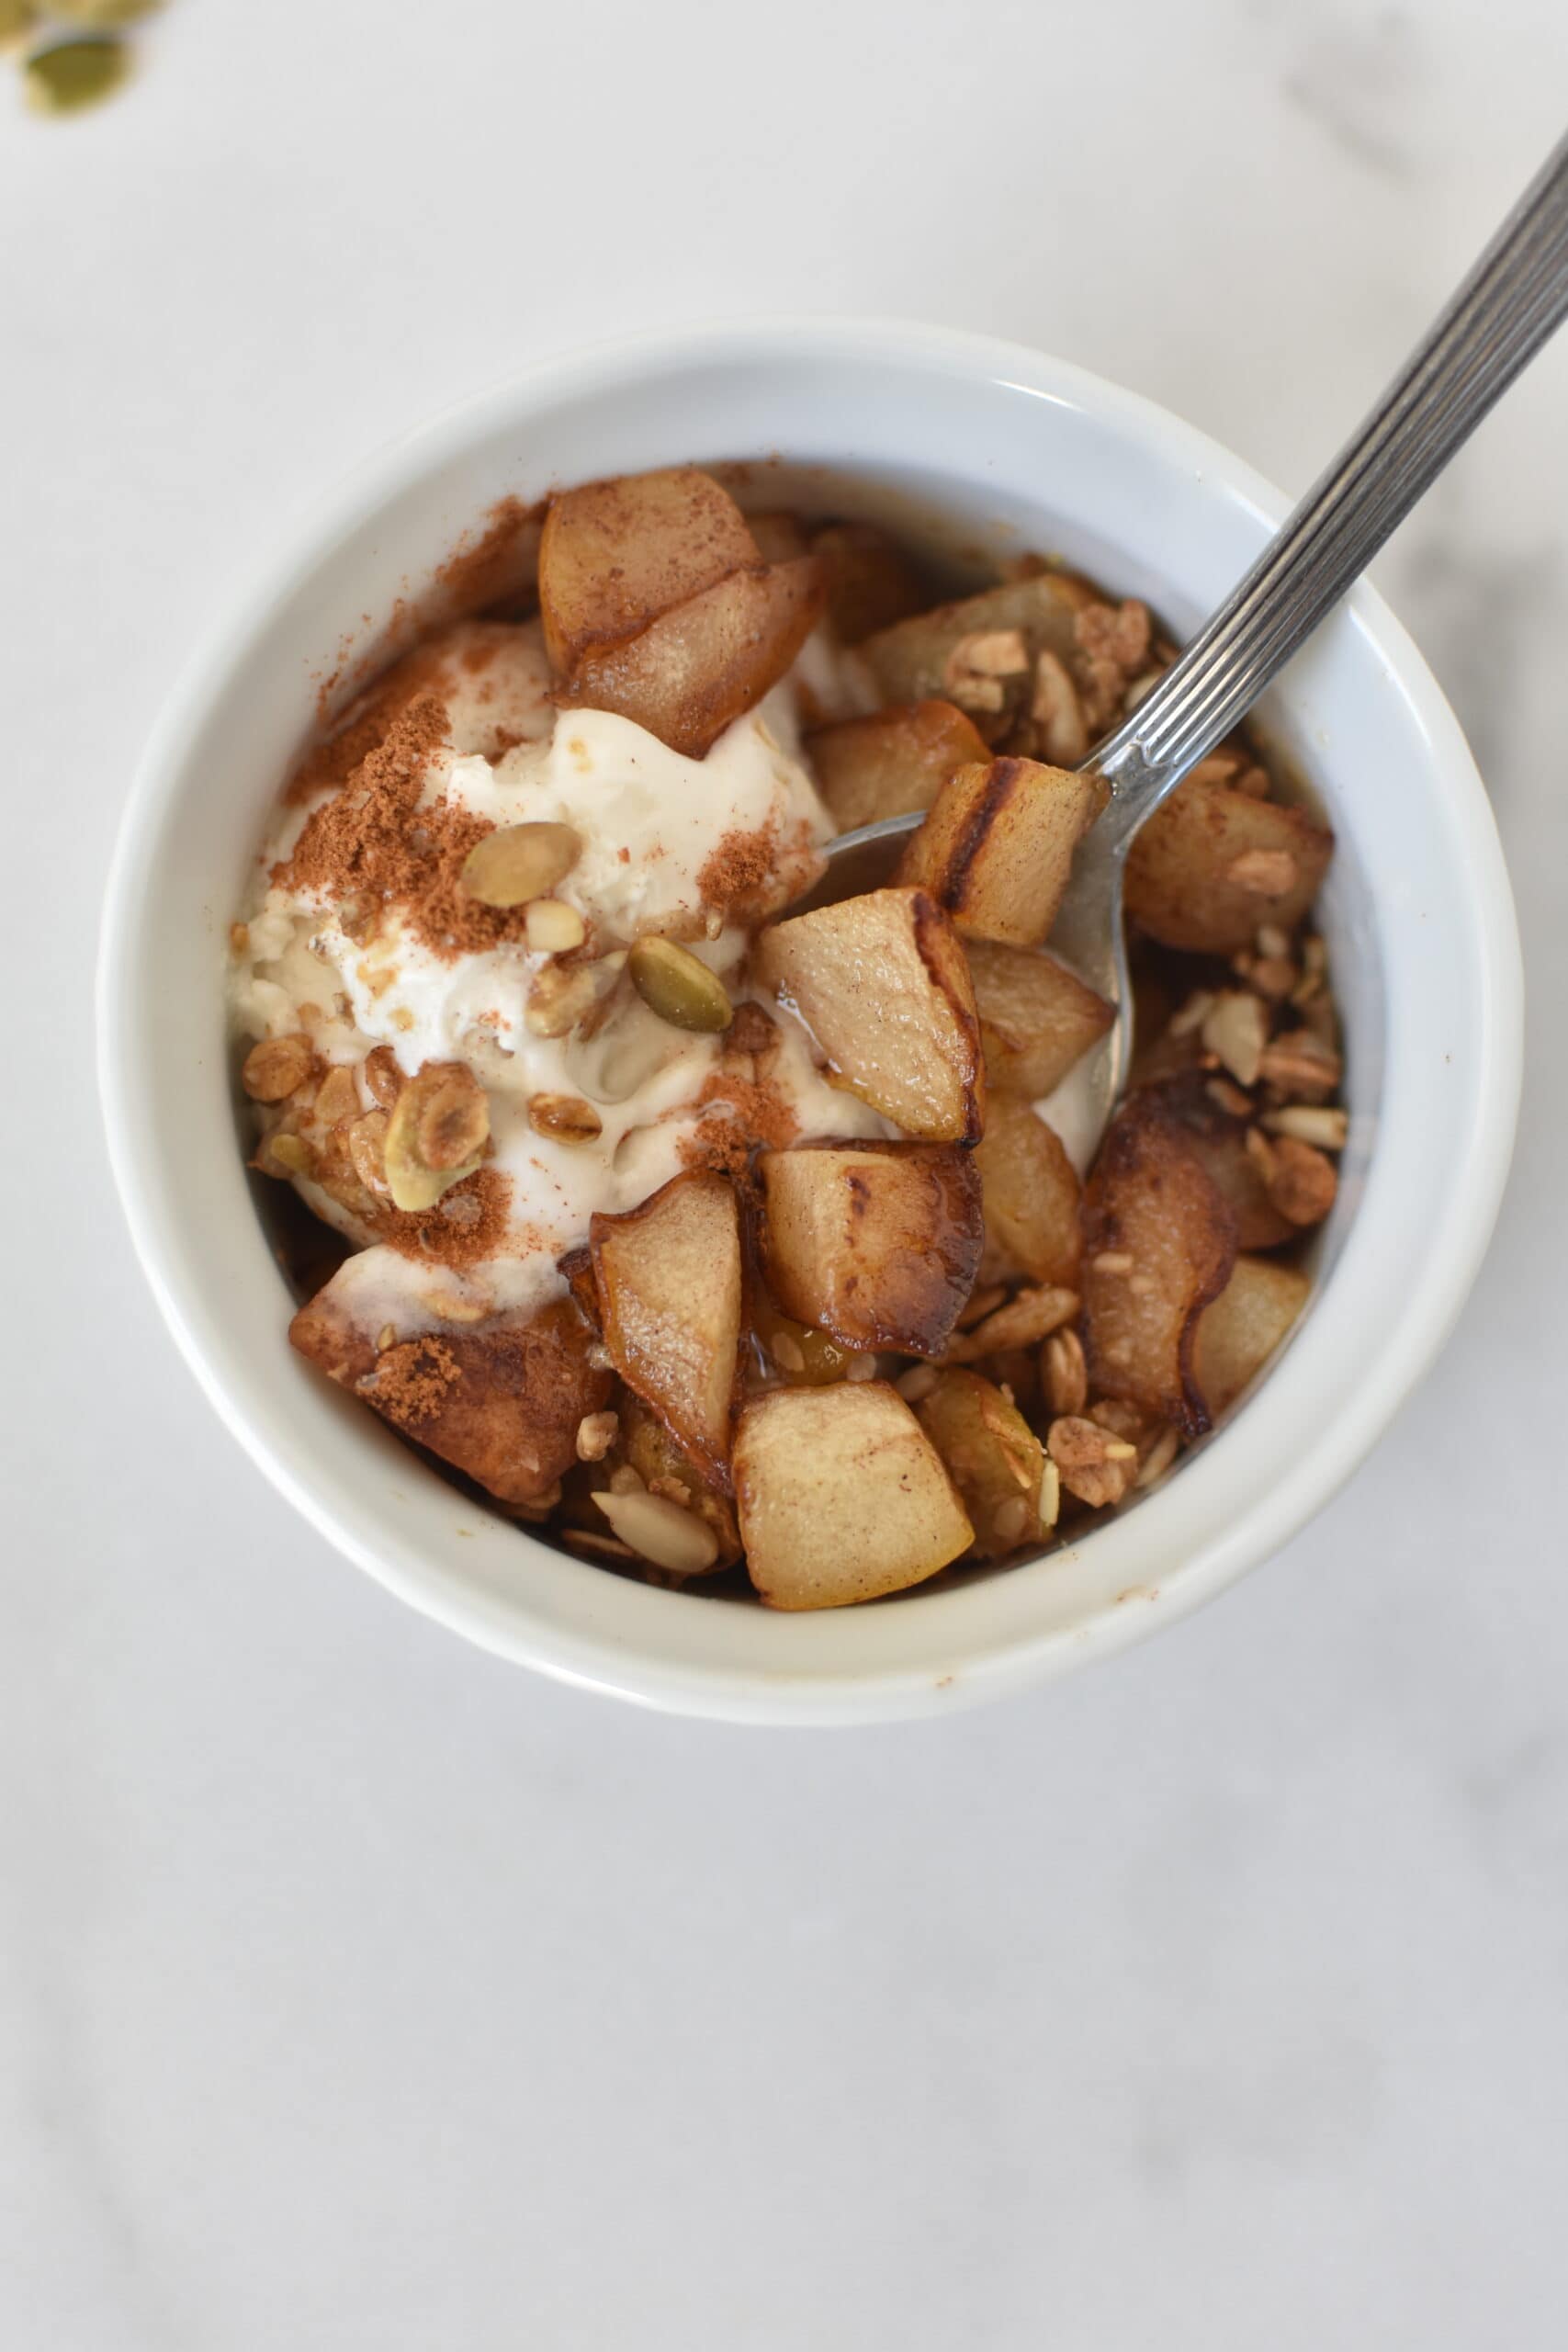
[1508,306]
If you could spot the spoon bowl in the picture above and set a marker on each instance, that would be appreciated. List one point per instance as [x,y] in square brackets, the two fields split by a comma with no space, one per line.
[1512,301]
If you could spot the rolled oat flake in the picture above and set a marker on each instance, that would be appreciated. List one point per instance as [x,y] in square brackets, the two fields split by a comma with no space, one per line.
[74,75]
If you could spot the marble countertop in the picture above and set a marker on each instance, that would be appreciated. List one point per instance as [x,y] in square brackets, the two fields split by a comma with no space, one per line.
[358,1991]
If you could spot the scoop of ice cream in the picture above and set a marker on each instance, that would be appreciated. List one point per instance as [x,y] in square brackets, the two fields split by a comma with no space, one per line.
[359,940]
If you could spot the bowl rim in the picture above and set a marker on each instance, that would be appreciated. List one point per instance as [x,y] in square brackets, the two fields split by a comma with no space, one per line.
[601,1659]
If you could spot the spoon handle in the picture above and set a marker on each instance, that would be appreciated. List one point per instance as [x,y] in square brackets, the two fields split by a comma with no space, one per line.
[1506,307]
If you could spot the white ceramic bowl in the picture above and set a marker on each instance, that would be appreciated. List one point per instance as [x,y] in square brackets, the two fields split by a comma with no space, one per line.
[1017,451]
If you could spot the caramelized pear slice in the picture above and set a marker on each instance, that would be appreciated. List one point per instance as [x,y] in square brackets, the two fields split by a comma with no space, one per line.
[879,1247]
[616,554]
[991,1455]
[1030,1195]
[841,1496]
[1159,1244]
[1241,1330]
[669,1281]
[995,848]
[706,663]
[891,761]
[500,1399]
[1214,863]
[1037,1018]
[882,983]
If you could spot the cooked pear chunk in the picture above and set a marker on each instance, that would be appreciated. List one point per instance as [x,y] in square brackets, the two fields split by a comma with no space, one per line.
[500,1398]
[928,654]
[1241,1330]
[1037,1018]
[1159,1244]
[1219,1137]
[992,1456]
[616,554]
[779,533]
[1214,863]
[878,1248]
[841,1496]
[706,663]
[1030,1194]
[882,983]
[670,1288]
[995,848]
[892,761]
[870,581]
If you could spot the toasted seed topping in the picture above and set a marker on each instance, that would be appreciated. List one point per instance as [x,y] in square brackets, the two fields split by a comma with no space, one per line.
[74,75]
[1271,941]
[457,1306]
[1301,1061]
[599,1547]
[1112,1261]
[368,1148]
[596,1434]
[435,1132]
[624,1480]
[1311,1123]
[517,863]
[564,1118]
[1010,1521]
[453,1117]
[552,928]
[1237,1029]
[786,1351]
[1094,1465]
[337,1097]
[661,1531]
[1192,1014]
[562,995]
[285,1154]
[272,1069]
[1058,713]
[1063,1374]
[1158,1459]
[678,986]
[980,1304]
[917,1381]
[1030,1316]
[861,1367]
[1301,1181]
[383,1075]
[1050,1496]
[387,1337]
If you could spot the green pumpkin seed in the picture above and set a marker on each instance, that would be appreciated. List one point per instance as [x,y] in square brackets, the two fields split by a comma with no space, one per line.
[517,863]
[678,986]
[74,75]
[101,16]
[17,19]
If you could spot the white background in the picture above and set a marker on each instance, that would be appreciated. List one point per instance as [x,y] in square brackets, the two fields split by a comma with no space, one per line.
[358,1991]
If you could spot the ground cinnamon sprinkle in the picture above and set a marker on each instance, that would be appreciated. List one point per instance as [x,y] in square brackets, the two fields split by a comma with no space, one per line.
[750,874]
[410,1383]
[374,844]
[467,1225]
[740,1114]
[740,868]
[496,564]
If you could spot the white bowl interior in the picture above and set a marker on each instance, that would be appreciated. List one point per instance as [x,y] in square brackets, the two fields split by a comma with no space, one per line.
[993,450]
